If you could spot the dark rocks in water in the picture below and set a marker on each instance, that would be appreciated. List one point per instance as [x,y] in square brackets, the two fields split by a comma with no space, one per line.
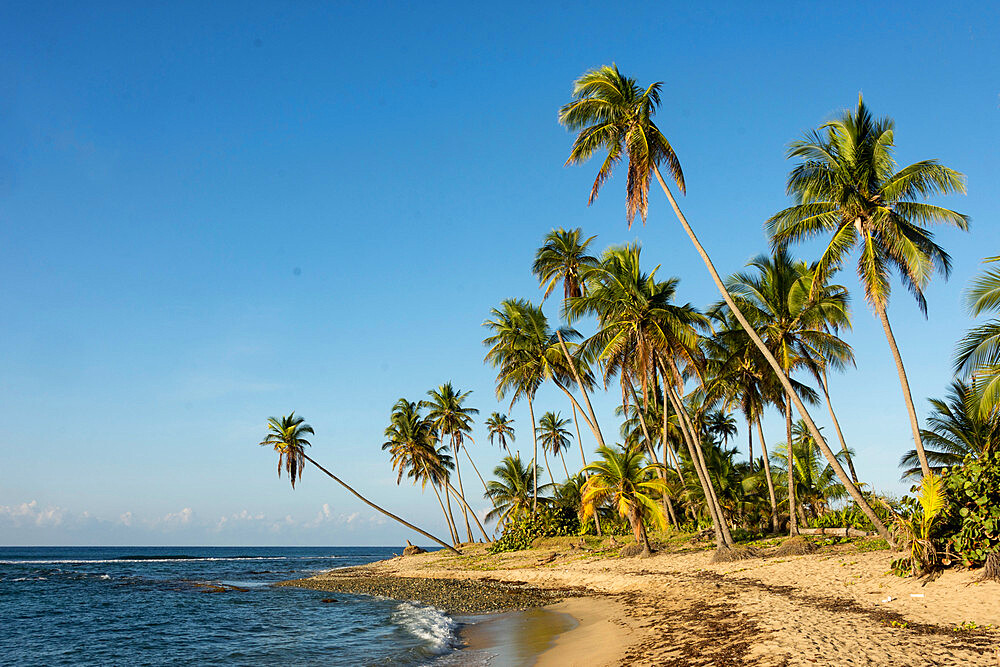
[328,600]
[454,596]
[412,549]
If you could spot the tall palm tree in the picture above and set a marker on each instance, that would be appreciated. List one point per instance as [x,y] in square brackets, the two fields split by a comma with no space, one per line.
[500,428]
[513,492]
[625,479]
[285,435]
[846,185]
[612,112]
[412,443]
[793,318]
[956,428]
[527,352]
[563,259]
[815,484]
[640,329]
[555,437]
[452,419]
[978,352]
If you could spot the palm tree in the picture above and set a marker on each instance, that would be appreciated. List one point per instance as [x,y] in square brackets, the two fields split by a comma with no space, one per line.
[452,419]
[622,477]
[412,443]
[956,429]
[526,352]
[640,331]
[500,427]
[720,425]
[555,437]
[612,112]
[285,435]
[513,492]
[794,318]
[846,185]
[563,258]
[979,351]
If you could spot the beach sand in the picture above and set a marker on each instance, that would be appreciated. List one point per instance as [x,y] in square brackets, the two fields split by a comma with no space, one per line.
[838,606]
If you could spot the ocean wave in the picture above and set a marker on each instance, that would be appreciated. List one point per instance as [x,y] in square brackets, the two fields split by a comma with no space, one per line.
[429,624]
[161,559]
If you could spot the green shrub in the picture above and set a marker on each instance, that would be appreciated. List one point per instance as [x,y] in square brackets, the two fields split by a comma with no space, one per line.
[547,522]
[974,493]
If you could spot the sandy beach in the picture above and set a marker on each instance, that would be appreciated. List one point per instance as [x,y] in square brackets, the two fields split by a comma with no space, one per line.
[838,606]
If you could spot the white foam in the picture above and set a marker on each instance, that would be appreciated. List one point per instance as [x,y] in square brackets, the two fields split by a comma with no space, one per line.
[429,624]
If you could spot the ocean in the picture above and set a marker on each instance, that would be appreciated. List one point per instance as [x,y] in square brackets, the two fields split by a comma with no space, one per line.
[204,606]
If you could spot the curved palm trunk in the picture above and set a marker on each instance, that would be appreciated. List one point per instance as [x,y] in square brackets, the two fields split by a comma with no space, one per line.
[437,494]
[666,448]
[579,440]
[793,528]
[683,416]
[767,475]
[907,396]
[461,491]
[469,511]
[782,377]
[469,456]
[750,443]
[534,459]
[836,426]
[376,507]
[705,484]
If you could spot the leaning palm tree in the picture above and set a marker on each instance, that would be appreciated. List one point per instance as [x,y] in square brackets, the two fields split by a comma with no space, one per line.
[452,419]
[555,437]
[612,112]
[500,428]
[978,353]
[846,185]
[630,484]
[286,436]
[956,428]
[563,259]
[815,484]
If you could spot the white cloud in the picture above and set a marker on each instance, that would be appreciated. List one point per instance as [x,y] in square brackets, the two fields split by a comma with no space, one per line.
[31,514]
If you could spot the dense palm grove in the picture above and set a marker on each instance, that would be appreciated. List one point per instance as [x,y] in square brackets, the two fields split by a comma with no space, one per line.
[690,378]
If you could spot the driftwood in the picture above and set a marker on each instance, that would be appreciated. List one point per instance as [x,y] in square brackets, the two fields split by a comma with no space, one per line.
[836,532]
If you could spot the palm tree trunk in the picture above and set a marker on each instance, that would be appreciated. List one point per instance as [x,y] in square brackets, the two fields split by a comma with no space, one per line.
[852,489]
[545,455]
[579,440]
[836,426]
[696,442]
[376,507]
[793,528]
[534,459]
[461,490]
[451,518]
[470,511]
[767,475]
[750,444]
[437,494]
[649,440]
[925,467]
[705,483]
[469,456]
[565,469]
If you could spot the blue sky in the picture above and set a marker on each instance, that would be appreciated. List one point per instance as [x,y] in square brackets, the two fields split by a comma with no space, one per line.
[214,214]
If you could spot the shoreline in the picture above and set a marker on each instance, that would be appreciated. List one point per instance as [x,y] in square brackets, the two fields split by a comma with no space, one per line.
[838,605]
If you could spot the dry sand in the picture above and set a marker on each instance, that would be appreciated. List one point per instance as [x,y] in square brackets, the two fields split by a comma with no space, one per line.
[825,608]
